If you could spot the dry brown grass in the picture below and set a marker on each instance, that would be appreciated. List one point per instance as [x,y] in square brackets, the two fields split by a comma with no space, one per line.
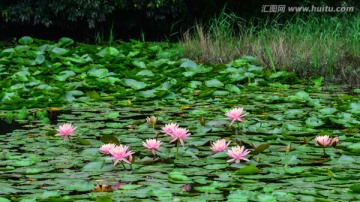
[296,52]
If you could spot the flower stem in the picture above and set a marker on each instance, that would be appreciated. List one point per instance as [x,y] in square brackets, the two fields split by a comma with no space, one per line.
[177,150]
[238,127]
[324,151]
[71,142]
[131,166]
[123,165]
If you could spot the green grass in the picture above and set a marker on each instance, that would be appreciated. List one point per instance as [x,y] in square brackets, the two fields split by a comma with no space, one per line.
[307,44]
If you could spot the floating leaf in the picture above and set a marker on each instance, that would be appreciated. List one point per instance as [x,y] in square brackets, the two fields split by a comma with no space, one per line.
[355,107]
[179,177]
[112,115]
[280,75]
[109,139]
[145,73]
[260,148]
[40,59]
[108,51]
[355,188]
[213,83]
[59,51]
[23,163]
[99,73]
[266,198]
[317,80]
[148,93]
[328,110]
[48,194]
[83,141]
[248,170]
[93,166]
[64,41]
[26,40]
[207,189]
[232,88]
[139,64]
[80,186]
[314,122]
[62,76]
[23,76]
[93,95]
[294,170]
[129,186]
[136,85]
[216,166]
[189,65]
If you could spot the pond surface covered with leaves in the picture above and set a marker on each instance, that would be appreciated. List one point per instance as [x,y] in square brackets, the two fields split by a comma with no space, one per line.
[107,93]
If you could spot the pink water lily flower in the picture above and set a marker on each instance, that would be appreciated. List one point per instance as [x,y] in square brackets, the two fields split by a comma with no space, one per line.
[179,134]
[323,140]
[219,145]
[105,149]
[169,128]
[65,130]
[237,153]
[152,145]
[120,153]
[235,114]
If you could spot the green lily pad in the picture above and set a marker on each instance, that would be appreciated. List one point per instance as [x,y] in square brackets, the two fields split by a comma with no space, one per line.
[314,122]
[355,188]
[80,186]
[59,51]
[136,85]
[178,177]
[248,170]
[93,166]
[213,83]
[62,76]
[26,40]
[216,166]
[109,139]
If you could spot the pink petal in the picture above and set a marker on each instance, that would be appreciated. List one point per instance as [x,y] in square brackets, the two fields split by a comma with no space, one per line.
[116,162]
[245,159]
[128,162]
[181,142]
[173,139]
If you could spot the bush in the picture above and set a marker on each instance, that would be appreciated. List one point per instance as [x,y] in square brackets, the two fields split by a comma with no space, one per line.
[50,12]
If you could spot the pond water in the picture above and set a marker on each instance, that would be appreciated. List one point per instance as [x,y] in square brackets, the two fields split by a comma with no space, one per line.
[285,164]
[107,93]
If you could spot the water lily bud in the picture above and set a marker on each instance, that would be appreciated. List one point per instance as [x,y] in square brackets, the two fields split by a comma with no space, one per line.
[288,148]
[202,121]
[186,188]
[334,141]
[151,121]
